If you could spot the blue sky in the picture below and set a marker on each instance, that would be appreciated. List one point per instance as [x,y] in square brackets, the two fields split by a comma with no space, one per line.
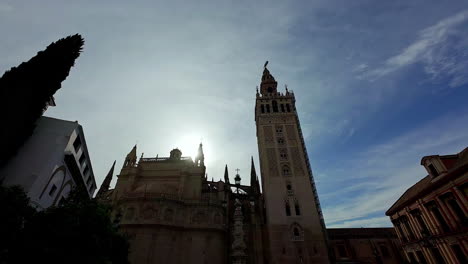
[378,84]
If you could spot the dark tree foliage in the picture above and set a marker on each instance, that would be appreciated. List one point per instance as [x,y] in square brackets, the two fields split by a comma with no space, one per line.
[26,89]
[79,230]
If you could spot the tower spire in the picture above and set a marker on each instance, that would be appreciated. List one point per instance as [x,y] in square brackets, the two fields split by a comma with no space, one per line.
[200,158]
[106,183]
[268,85]
[226,175]
[253,173]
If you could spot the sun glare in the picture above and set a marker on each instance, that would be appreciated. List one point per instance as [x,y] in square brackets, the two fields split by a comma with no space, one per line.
[188,144]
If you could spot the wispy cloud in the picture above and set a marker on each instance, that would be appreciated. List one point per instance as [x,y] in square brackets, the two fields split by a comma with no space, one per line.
[371,182]
[369,222]
[441,48]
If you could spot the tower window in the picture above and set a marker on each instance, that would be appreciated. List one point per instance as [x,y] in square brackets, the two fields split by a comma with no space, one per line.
[296,232]
[296,207]
[283,154]
[288,187]
[268,108]
[280,140]
[282,107]
[286,171]
[270,89]
[263,108]
[288,108]
[275,106]
[288,209]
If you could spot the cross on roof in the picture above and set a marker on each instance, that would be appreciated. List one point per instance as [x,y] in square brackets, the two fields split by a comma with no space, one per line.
[237,171]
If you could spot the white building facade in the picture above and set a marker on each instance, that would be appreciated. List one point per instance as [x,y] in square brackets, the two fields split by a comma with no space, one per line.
[51,162]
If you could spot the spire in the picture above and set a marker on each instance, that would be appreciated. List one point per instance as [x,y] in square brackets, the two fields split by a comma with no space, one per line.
[131,158]
[253,174]
[200,156]
[226,175]
[268,84]
[106,183]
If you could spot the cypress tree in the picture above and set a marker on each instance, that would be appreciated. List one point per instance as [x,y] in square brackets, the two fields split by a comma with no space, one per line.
[25,91]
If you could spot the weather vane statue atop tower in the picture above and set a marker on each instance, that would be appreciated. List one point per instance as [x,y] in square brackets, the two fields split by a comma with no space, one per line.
[266,63]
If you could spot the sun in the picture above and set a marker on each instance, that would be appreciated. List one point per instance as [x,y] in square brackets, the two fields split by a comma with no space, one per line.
[188,144]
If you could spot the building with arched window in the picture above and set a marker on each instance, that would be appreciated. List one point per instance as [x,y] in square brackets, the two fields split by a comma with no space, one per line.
[431,217]
[51,162]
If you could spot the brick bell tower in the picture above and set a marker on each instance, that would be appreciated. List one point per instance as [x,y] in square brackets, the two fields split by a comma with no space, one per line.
[295,227]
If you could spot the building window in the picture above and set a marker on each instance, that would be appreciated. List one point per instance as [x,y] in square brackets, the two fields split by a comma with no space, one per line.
[82,159]
[275,106]
[456,208]
[270,89]
[417,215]
[438,257]
[440,219]
[88,181]
[408,228]
[288,187]
[85,171]
[61,201]
[279,130]
[296,232]
[296,207]
[77,143]
[433,170]
[268,108]
[288,209]
[397,224]
[342,251]
[287,108]
[286,171]
[280,140]
[459,253]
[421,257]
[384,251]
[282,108]
[52,190]
[412,258]
[283,154]
[263,108]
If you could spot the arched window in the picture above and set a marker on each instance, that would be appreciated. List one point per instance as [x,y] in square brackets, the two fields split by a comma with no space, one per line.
[288,108]
[268,108]
[296,232]
[288,187]
[270,89]
[282,107]
[280,140]
[286,171]
[275,106]
[263,108]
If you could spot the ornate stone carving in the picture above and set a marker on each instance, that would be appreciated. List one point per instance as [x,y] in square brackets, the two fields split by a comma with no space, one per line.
[238,244]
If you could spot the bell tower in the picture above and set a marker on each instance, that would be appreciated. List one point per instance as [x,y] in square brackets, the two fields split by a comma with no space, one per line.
[295,226]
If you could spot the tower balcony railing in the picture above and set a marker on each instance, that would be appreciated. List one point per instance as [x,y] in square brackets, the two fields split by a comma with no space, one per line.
[288,93]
